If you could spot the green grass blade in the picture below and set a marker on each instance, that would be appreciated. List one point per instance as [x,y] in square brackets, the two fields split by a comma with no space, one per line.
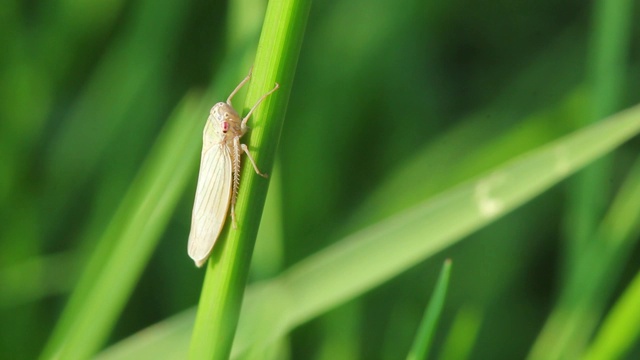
[129,241]
[613,21]
[422,342]
[621,328]
[591,189]
[223,288]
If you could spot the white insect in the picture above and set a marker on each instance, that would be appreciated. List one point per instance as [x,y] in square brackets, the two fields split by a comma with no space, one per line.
[219,176]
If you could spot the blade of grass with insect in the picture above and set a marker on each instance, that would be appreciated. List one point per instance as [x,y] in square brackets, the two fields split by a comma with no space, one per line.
[227,270]
[138,222]
[187,122]
[169,338]
[422,342]
[373,255]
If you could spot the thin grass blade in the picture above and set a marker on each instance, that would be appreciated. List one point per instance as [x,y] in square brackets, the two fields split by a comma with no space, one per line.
[422,342]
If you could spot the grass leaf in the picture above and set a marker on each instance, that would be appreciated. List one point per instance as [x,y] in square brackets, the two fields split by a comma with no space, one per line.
[228,267]
[422,342]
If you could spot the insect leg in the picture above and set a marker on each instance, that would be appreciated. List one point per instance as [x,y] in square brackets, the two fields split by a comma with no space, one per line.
[253,162]
[244,81]
[246,118]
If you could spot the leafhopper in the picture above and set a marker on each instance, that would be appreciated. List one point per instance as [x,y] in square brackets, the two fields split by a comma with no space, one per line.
[219,177]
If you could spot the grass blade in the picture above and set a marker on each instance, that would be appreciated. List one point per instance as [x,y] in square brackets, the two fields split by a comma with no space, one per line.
[227,270]
[128,243]
[422,342]
[591,189]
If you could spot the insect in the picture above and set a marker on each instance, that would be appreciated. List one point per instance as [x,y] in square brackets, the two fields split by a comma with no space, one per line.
[219,177]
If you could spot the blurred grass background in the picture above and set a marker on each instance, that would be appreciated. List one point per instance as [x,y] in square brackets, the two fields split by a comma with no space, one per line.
[407,98]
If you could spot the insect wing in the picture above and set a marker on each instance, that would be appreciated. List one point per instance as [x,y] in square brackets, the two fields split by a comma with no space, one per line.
[211,205]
